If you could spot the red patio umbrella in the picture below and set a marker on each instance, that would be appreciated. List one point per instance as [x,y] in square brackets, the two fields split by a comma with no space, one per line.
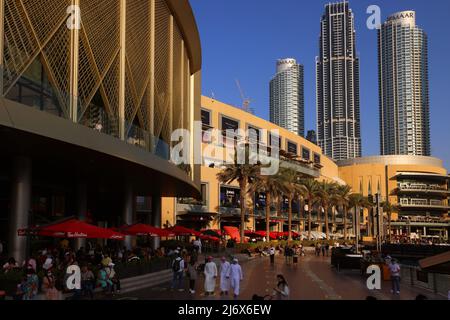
[73,228]
[272,235]
[140,229]
[182,231]
[210,238]
[233,232]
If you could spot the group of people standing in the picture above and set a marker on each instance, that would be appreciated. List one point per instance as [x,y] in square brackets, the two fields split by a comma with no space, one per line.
[229,273]
[323,248]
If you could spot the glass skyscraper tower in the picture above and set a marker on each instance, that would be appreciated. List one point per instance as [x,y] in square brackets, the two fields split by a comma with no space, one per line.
[287,104]
[403,79]
[337,67]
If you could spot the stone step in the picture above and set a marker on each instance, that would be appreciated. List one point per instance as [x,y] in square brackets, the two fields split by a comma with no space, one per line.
[133,284]
[146,278]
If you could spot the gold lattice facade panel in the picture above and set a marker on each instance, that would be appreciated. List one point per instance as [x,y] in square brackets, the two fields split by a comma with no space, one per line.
[125,61]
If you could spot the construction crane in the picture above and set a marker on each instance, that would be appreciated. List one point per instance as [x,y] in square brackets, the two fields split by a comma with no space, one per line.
[245,101]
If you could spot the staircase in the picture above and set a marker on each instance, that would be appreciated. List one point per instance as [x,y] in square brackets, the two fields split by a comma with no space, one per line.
[145,281]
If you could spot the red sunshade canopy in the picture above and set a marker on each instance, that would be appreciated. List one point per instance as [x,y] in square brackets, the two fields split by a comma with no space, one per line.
[233,232]
[140,229]
[182,231]
[74,228]
[210,238]
[272,235]
[252,234]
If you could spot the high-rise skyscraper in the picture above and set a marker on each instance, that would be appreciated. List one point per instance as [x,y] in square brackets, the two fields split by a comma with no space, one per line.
[337,67]
[311,136]
[403,78]
[287,106]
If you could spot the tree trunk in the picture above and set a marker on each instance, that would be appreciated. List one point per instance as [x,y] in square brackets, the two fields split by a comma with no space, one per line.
[369,223]
[389,225]
[327,231]
[290,219]
[357,230]
[345,222]
[243,186]
[309,218]
[267,217]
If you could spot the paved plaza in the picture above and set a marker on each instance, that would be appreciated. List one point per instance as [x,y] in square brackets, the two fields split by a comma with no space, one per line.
[312,279]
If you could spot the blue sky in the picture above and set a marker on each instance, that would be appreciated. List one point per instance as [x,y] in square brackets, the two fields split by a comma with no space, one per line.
[242,39]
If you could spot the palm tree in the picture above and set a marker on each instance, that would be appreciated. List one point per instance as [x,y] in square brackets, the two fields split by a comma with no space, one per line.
[291,180]
[308,189]
[342,198]
[271,186]
[245,175]
[358,201]
[325,193]
[389,208]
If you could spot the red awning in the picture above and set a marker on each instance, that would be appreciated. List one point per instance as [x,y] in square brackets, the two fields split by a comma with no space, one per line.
[272,235]
[233,232]
[252,234]
[140,229]
[182,231]
[209,238]
[73,228]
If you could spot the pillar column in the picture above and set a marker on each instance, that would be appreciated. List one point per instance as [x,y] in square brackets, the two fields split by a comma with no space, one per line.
[74,63]
[81,210]
[127,212]
[156,219]
[2,15]
[122,69]
[20,207]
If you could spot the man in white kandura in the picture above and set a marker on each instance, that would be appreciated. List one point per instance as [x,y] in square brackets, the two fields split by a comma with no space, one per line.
[236,277]
[210,277]
[224,277]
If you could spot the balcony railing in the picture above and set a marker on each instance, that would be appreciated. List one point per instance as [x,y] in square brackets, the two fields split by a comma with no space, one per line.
[422,187]
[423,203]
[230,211]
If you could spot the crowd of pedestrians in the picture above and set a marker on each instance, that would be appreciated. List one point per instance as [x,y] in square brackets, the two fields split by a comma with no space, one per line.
[45,272]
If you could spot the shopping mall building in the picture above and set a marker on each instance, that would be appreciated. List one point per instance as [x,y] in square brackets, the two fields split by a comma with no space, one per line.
[86,117]
[418,185]
[87,108]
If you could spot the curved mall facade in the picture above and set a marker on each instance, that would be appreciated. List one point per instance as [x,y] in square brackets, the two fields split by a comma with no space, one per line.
[91,92]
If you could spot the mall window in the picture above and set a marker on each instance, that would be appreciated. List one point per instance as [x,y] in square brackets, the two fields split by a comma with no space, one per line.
[206,118]
[230,197]
[206,126]
[292,147]
[274,139]
[317,158]
[254,135]
[306,154]
[228,124]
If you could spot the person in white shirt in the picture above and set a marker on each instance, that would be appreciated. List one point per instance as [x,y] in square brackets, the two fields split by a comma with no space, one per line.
[210,277]
[394,269]
[224,276]
[272,255]
[236,277]
[198,245]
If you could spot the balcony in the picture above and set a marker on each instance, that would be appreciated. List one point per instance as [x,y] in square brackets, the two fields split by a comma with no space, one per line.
[184,207]
[229,211]
[424,203]
[422,188]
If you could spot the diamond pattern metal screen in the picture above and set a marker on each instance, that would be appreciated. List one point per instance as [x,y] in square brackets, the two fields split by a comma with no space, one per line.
[37,29]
